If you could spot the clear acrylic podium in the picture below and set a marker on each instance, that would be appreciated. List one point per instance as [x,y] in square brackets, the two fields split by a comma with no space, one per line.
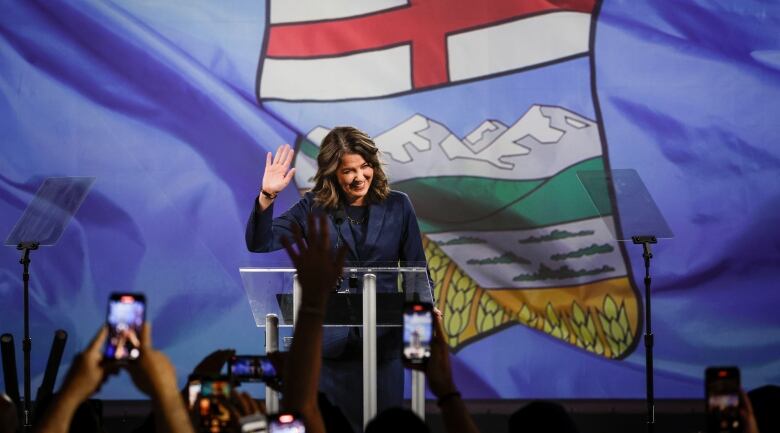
[369,297]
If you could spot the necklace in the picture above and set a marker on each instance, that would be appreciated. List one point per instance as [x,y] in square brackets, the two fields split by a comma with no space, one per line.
[356,222]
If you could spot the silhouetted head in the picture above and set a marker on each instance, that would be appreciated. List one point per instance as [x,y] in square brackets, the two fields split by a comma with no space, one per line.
[395,420]
[541,416]
[8,420]
[332,416]
[766,403]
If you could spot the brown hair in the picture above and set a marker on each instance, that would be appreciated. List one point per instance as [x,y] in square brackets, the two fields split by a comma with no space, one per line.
[340,141]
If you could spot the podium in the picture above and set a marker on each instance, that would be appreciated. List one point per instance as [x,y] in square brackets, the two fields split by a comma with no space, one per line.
[368,297]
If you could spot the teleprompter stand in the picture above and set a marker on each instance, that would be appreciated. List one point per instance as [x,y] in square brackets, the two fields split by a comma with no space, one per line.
[627,208]
[645,241]
[41,224]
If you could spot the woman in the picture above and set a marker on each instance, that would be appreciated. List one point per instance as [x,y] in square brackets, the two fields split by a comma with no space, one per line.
[379,227]
[352,188]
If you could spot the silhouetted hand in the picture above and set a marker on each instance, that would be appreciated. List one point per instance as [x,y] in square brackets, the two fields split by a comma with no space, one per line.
[212,364]
[318,269]
[746,411]
[152,373]
[86,374]
[438,369]
[247,405]
[8,420]
[242,405]
[88,370]
[279,361]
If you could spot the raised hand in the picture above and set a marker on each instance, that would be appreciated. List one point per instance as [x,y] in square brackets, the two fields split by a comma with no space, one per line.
[277,174]
[85,376]
[438,369]
[88,371]
[243,408]
[318,269]
[746,411]
[212,364]
[153,373]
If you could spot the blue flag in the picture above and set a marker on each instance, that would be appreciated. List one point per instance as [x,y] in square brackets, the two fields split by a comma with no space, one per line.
[485,114]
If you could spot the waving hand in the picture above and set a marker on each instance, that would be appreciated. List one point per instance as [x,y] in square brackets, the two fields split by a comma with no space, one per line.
[277,174]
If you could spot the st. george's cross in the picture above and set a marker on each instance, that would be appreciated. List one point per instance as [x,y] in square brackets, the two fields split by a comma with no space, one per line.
[336,50]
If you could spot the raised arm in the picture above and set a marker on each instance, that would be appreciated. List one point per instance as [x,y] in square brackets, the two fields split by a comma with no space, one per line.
[263,232]
[84,377]
[155,376]
[439,373]
[318,271]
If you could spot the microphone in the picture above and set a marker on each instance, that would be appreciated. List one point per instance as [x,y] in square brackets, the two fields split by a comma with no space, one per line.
[339,216]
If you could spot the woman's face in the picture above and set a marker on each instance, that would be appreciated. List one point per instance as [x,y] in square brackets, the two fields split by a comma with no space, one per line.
[354,177]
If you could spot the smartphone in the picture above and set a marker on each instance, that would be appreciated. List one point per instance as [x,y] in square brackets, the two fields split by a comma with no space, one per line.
[723,395]
[125,317]
[211,411]
[285,423]
[252,368]
[215,386]
[418,332]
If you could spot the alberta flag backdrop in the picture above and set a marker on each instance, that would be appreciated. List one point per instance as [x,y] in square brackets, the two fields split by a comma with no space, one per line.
[485,113]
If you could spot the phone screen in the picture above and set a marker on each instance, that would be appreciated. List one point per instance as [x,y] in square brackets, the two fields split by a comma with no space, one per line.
[126,313]
[723,390]
[215,387]
[418,331]
[286,423]
[212,409]
[252,368]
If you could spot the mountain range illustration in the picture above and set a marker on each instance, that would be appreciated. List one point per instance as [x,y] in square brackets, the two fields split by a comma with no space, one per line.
[541,143]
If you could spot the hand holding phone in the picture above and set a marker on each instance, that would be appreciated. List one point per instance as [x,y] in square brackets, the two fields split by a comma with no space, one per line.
[87,371]
[417,332]
[253,368]
[211,409]
[723,400]
[125,317]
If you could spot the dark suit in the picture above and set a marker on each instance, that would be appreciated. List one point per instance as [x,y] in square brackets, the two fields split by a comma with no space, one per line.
[392,237]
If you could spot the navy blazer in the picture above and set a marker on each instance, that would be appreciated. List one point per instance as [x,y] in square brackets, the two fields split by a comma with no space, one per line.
[392,238]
